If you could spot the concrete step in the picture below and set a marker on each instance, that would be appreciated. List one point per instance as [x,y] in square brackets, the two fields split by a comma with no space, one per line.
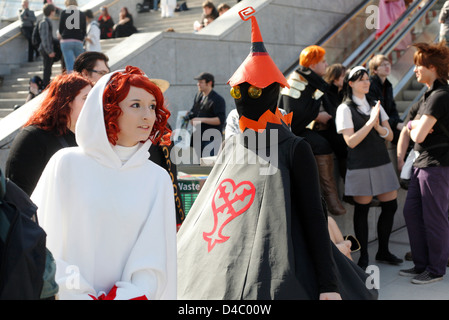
[107,44]
[181,21]
[410,94]
[5,112]
[415,85]
[22,77]
[14,88]
[15,94]
[402,105]
[6,105]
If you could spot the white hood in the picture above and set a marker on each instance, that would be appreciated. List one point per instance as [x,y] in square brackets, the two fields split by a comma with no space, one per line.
[90,131]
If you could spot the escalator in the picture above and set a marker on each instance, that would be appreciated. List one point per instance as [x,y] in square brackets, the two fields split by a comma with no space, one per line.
[354,42]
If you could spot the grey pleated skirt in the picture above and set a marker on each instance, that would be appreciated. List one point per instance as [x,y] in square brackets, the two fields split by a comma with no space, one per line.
[371,181]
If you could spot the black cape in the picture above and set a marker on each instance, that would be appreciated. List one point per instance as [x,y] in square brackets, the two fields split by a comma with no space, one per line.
[243,237]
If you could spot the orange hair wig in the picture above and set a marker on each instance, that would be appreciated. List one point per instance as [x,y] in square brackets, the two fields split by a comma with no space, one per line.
[311,55]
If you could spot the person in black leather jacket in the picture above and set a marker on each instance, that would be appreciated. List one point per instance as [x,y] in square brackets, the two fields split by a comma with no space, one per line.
[382,89]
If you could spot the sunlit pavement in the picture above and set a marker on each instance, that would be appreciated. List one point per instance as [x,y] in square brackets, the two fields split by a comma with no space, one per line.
[392,286]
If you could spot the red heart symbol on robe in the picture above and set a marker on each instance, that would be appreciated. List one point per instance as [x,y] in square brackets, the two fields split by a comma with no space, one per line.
[229,201]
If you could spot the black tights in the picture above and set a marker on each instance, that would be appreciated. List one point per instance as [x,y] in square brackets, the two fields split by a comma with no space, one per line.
[384,225]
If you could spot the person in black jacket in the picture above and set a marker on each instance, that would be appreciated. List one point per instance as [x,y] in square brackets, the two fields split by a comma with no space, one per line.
[27,20]
[305,99]
[382,90]
[72,31]
[208,112]
[50,128]
[334,76]
[46,47]
[106,23]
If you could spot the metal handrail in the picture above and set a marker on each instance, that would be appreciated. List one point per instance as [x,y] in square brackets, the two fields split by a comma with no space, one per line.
[384,39]
[332,33]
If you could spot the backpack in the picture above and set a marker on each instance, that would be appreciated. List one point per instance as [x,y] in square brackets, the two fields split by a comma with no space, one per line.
[35,36]
[23,254]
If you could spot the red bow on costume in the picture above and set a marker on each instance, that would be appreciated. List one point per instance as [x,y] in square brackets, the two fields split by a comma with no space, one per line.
[112,294]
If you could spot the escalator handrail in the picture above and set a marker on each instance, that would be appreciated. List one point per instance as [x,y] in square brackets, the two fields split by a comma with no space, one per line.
[362,60]
[391,44]
[329,35]
[398,37]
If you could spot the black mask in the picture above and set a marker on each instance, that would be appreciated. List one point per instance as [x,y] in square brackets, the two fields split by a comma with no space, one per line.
[253,108]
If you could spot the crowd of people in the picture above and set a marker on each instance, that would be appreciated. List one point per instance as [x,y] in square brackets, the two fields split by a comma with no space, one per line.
[84,158]
[78,31]
[71,41]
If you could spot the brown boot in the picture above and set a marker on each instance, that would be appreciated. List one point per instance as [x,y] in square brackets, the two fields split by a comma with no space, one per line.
[325,165]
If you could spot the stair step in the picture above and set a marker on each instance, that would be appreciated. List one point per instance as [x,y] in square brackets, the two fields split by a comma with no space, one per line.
[402,105]
[410,95]
[5,112]
[14,88]
[14,95]
[8,104]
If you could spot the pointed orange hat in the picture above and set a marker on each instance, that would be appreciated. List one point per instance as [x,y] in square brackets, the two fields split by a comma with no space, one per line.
[258,68]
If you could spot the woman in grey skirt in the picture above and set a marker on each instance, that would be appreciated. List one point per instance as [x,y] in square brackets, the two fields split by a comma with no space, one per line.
[364,126]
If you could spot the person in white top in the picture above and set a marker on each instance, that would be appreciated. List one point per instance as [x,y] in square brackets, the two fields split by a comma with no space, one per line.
[365,128]
[107,210]
[92,33]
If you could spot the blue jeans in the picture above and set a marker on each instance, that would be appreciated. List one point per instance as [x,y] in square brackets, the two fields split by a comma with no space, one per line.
[155,4]
[71,50]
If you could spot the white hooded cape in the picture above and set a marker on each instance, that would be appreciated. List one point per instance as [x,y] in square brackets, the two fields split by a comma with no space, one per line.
[109,225]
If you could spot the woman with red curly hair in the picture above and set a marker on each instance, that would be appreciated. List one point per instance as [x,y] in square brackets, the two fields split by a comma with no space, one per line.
[108,211]
[50,128]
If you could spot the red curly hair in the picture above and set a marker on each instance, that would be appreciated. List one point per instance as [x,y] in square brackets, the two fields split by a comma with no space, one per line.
[117,90]
[54,112]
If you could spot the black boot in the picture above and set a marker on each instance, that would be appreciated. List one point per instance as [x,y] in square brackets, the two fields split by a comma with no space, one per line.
[328,185]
